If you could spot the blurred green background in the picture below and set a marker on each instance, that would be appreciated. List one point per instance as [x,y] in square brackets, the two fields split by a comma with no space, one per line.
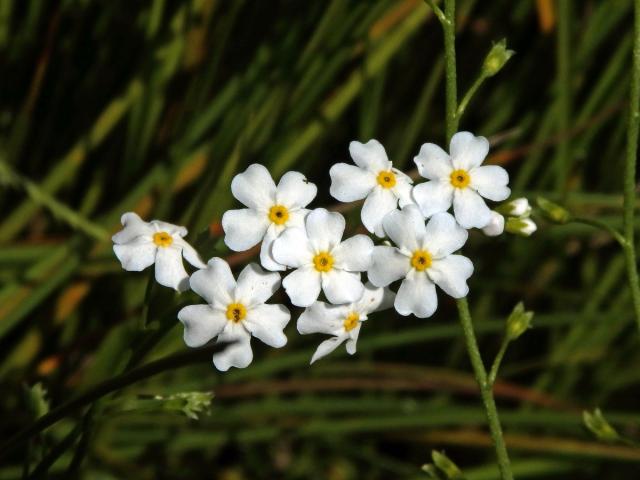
[153,107]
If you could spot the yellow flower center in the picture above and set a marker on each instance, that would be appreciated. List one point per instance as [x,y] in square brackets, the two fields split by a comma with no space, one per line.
[387,179]
[162,239]
[460,178]
[351,321]
[421,260]
[236,312]
[323,262]
[278,214]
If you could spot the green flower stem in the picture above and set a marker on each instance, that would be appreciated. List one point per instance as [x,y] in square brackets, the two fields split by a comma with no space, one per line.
[630,169]
[111,385]
[452,119]
[602,226]
[486,390]
[493,373]
[470,93]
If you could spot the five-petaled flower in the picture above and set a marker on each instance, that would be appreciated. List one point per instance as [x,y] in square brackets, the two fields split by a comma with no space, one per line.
[423,258]
[141,244]
[234,312]
[321,260]
[460,179]
[270,210]
[342,321]
[373,178]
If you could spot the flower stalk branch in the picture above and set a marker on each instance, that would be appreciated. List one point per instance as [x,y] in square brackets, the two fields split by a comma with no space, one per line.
[486,390]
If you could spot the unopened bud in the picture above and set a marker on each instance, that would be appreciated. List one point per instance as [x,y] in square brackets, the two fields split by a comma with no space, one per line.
[518,322]
[520,226]
[496,58]
[495,226]
[446,466]
[519,207]
[553,211]
[599,426]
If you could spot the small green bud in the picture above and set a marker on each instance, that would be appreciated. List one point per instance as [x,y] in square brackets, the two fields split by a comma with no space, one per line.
[37,402]
[553,211]
[431,472]
[497,57]
[523,227]
[518,322]
[446,466]
[598,425]
[515,208]
[189,403]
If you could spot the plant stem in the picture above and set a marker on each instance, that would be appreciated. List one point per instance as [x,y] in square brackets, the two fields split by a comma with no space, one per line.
[493,373]
[602,226]
[111,385]
[630,168]
[563,62]
[486,391]
[470,93]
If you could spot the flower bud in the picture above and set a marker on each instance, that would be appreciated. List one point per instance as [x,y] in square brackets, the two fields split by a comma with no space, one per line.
[598,425]
[496,58]
[553,211]
[515,208]
[518,322]
[495,226]
[520,226]
[446,466]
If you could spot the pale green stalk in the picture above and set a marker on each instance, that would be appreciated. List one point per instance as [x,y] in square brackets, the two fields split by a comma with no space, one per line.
[480,372]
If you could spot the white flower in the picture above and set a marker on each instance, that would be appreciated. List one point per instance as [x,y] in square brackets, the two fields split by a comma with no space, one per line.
[321,260]
[374,179]
[459,179]
[234,312]
[516,208]
[423,257]
[141,244]
[271,210]
[342,321]
[495,226]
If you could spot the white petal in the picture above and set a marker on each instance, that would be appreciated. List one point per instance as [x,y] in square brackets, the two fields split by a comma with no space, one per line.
[239,354]
[350,183]
[433,162]
[444,236]
[255,286]
[402,189]
[342,287]
[379,202]
[174,230]
[322,317]
[136,255]
[370,156]
[134,227]
[324,229]
[244,228]
[451,274]
[266,322]
[303,286]
[491,182]
[469,209]
[201,324]
[170,271]
[266,250]
[405,227]
[374,299]
[215,283]
[189,253]
[495,226]
[254,187]
[353,340]
[326,347]
[354,254]
[433,197]
[292,248]
[468,151]
[417,296]
[387,265]
[295,191]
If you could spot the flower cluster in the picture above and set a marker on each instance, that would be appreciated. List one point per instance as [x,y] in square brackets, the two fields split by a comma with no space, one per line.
[323,271]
